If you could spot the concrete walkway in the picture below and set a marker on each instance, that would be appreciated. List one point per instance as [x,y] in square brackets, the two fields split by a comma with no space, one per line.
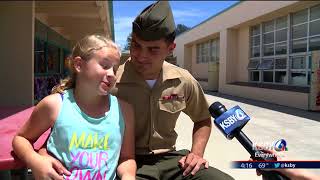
[269,122]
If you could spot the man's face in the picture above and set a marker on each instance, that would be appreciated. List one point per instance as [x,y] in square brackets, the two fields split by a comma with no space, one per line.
[148,56]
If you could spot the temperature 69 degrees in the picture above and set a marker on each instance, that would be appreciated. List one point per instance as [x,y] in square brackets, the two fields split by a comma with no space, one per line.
[230,122]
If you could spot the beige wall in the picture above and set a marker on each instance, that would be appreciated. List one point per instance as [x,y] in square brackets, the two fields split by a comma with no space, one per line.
[243,54]
[286,98]
[16,53]
[232,27]
[188,55]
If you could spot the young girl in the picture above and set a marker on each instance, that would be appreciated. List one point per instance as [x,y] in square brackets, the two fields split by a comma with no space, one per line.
[89,126]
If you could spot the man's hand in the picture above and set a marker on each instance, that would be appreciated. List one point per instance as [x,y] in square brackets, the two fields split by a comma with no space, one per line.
[192,163]
[45,166]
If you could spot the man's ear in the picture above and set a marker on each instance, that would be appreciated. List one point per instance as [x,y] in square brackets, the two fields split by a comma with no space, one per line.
[172,46]
[77,63]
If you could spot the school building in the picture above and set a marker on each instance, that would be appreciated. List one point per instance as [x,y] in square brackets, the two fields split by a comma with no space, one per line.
[36,37]
[262,50]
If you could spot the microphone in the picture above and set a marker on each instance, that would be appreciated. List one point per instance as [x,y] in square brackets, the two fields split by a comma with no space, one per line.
[230,122]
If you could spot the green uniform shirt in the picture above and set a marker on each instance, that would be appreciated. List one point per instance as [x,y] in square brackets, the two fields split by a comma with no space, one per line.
[157,109]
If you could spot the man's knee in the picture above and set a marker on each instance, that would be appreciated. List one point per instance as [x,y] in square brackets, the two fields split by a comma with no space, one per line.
[210,174]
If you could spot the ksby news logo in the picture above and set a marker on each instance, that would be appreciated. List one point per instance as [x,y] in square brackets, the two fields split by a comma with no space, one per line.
[280,145]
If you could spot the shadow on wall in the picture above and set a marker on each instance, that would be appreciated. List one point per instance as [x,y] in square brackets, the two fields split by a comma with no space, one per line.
[312,115]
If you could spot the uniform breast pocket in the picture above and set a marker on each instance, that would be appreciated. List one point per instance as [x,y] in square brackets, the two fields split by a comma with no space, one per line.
[172,106]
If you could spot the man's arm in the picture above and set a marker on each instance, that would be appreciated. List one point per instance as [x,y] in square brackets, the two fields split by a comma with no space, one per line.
[193,161]
[200,137]
[197,110]
[127,165]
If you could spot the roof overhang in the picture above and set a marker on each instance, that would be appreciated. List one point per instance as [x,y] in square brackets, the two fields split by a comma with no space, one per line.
[75,19]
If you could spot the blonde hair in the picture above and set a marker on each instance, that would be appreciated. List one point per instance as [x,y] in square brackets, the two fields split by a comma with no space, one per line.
[84,48]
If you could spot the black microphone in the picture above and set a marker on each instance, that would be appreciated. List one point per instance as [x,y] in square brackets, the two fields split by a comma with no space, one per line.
[230,122]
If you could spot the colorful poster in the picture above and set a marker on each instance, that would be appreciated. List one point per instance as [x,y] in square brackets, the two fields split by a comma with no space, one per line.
[314,96]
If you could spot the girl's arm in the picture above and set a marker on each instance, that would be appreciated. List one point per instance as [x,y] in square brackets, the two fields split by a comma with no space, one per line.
[41,119]
[127,165]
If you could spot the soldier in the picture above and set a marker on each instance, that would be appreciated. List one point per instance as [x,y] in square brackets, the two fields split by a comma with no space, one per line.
[159,91]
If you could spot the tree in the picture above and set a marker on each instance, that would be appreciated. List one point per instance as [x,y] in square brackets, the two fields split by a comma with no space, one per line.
[181,28]
[127,46]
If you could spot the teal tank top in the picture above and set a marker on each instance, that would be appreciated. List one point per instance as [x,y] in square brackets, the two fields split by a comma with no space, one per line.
[88,147]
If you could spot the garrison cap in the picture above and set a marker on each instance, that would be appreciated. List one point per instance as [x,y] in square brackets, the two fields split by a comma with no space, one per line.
[154,22]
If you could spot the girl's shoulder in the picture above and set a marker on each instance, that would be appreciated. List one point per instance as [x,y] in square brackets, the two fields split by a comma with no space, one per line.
[49,106]
[51,100]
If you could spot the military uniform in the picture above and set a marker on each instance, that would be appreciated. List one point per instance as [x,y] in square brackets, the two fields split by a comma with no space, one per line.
[157,108]
[156,112]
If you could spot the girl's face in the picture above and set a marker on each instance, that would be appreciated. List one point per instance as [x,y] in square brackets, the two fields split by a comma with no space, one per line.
[98,72]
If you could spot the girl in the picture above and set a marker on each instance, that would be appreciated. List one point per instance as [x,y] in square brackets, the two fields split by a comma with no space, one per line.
[89,126]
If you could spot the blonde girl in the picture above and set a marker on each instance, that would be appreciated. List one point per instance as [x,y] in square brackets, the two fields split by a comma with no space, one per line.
[92,131]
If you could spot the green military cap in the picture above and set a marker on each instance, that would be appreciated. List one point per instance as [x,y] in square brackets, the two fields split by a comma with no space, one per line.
[154,22]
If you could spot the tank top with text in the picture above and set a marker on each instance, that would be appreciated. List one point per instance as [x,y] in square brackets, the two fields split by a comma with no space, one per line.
[88,147]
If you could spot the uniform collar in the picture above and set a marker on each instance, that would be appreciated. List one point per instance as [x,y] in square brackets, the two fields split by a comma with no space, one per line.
[127,73]
[169,71]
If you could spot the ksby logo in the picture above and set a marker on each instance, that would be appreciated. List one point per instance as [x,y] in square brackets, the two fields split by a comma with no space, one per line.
[236,115]
[240,114]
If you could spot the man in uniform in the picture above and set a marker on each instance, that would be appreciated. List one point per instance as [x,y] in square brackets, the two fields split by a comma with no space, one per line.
[159,91]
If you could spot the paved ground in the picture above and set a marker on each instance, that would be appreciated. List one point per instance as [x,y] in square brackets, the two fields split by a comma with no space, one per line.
[269,122]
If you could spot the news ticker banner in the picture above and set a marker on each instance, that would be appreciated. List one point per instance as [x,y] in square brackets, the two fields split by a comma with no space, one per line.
[275,164]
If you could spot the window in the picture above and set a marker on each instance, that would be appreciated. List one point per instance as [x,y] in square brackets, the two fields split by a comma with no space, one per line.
[207,51]
[299,31]
[253,64]
[268,50]
[299,70]
[268,76]
[280,77]
[300,17]
[280,63]
[281,22]
[254,76]
[40,56]
[266,64]
[280,48]
[198,54]
[315,28]
[281,35]
[268,26]
[268,38]
[314,43]
[255,41]
[255,30]
[255,52]
[53,60]
[315,13]
[299,46]
[298,63]
[50,51]
[298,78]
